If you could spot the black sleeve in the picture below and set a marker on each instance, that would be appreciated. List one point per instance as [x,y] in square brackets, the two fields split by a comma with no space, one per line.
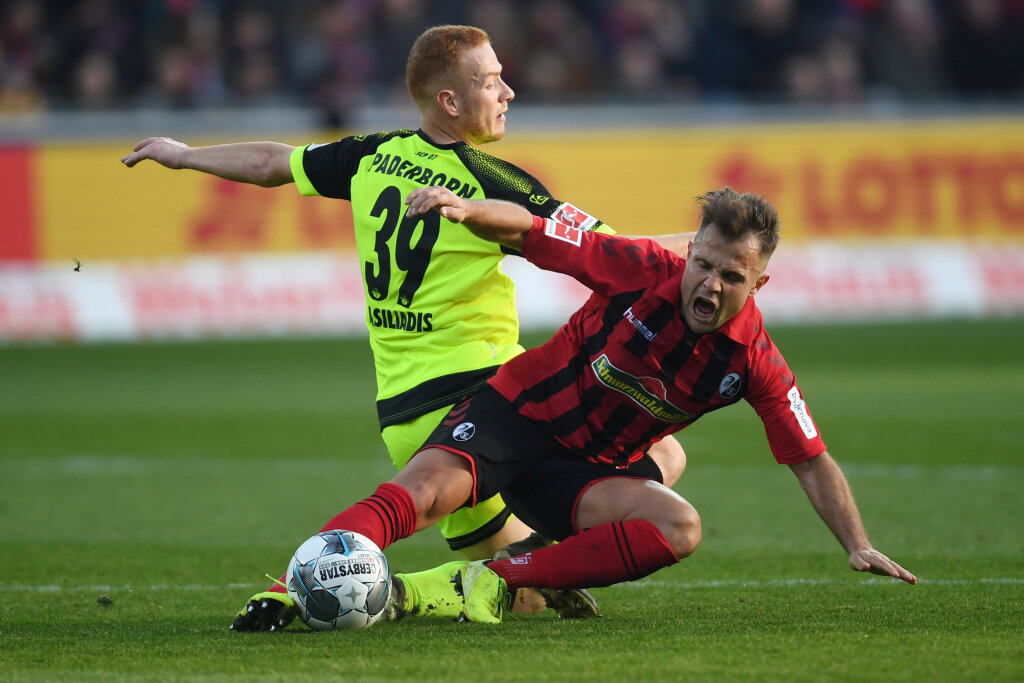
[330,166]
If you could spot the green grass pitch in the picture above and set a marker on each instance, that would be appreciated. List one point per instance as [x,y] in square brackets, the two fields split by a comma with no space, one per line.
[164,480]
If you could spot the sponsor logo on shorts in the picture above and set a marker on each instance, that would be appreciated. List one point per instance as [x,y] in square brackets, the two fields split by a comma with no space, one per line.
[464,431]
[730,385]
[573,217]
[648,392]
[799,409]
[561,231]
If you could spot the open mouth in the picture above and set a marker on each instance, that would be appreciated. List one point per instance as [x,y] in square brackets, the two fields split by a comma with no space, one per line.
[703,309]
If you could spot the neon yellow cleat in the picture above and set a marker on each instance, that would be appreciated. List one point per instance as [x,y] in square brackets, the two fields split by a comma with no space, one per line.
[267,611]
[429,593]
[485,596]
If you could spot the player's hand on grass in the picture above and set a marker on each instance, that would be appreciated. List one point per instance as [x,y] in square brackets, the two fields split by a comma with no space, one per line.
[164,151]
[440,199]
[870,560]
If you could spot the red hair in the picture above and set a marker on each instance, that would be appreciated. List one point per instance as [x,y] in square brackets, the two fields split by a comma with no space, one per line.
[435,56]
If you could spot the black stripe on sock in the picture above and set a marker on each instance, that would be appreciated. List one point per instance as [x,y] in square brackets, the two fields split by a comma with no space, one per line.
[388,515]
[625,552]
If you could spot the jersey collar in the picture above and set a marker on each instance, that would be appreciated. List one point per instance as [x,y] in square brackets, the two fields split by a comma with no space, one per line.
[746,325]
[450,145]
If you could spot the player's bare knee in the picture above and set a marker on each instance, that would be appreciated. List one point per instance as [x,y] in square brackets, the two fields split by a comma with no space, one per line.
[439,497]
[424,494]
[681,527]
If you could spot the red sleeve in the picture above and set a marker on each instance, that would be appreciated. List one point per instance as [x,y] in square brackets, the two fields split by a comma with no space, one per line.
[607,264]
[792,434]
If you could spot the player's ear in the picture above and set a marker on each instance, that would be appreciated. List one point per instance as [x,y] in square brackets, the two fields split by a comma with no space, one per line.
[761,281]
[448,102]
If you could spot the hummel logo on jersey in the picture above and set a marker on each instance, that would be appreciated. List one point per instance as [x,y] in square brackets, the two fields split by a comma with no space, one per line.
[570,215]
[561,231]
[644,331]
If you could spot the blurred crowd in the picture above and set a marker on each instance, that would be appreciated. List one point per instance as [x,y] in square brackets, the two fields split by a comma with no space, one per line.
[339,54]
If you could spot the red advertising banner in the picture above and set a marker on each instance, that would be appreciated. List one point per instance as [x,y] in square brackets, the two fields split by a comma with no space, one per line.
[18,227]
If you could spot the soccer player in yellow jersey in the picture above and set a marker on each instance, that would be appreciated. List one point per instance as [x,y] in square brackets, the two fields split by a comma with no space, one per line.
[440,311]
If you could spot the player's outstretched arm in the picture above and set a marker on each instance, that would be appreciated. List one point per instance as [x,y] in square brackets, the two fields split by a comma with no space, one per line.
[830,494]
[258,163]
[489,219]
[678,242]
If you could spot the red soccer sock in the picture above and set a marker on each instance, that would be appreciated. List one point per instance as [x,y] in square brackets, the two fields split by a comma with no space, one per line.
[595,557]
[385,517]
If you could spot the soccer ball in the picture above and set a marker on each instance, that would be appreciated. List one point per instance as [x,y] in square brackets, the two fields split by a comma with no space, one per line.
[339,580]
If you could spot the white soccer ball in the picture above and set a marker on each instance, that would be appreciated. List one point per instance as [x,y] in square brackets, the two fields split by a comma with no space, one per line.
[339,580]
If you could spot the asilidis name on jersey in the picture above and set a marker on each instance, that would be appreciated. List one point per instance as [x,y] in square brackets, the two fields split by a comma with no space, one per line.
[391,319]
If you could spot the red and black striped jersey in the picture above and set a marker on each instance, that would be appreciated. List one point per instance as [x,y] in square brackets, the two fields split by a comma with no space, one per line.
[625,370]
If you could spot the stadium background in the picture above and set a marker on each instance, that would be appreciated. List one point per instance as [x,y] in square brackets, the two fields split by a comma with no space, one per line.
[897,164]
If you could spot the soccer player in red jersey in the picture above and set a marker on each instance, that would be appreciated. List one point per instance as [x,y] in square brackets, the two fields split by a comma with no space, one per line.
[560,429]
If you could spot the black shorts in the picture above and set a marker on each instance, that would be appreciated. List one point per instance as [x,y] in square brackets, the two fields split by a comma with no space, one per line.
[540,480]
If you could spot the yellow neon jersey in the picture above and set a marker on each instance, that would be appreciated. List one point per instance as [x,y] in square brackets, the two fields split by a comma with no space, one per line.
[440,311]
